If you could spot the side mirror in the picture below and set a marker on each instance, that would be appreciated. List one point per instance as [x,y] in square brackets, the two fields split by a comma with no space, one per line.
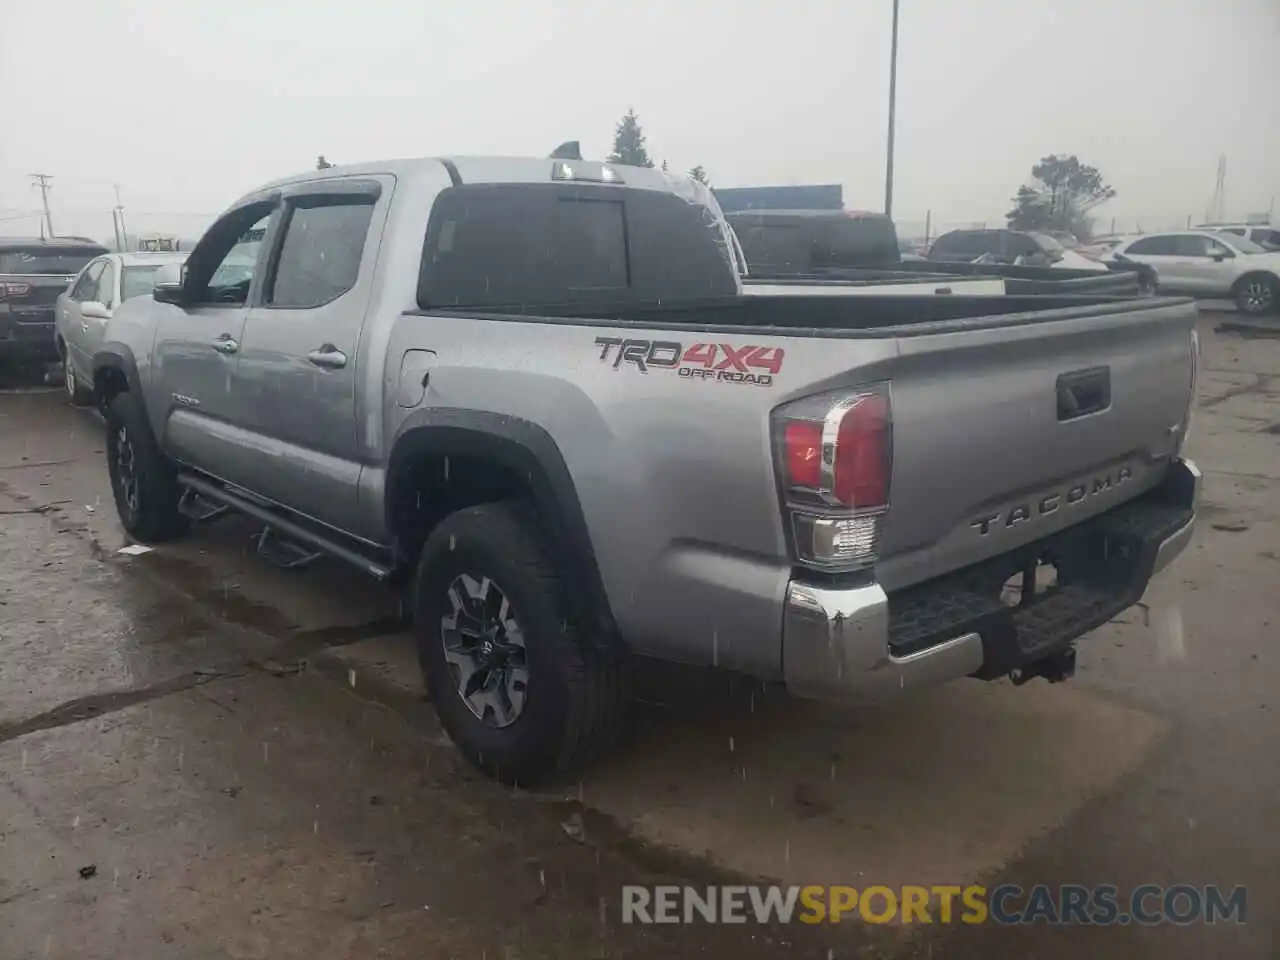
[1220,256]
[94,310]
[168,293]
[168,286]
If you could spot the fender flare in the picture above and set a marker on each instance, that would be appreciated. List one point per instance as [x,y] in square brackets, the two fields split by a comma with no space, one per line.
[526,449]
[114,355]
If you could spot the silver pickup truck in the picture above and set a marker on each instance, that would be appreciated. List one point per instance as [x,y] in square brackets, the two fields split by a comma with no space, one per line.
[533,392]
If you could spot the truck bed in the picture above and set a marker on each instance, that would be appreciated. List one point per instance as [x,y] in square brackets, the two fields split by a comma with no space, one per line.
[1120,281]
[850,316]
[980,390]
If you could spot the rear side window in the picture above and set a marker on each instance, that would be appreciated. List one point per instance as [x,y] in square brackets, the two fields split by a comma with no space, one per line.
[523,244]
[1269,237]
[320,256]
[772,245]
[959,243]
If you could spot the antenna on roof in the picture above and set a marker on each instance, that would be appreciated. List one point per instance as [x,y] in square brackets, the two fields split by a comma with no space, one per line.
[569,150]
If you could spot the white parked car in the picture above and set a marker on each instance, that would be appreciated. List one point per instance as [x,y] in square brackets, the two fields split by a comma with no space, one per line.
[1203,263]
[1263,234]
[83,310]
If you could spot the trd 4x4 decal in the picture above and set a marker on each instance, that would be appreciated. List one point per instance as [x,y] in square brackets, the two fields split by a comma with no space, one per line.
[716,362]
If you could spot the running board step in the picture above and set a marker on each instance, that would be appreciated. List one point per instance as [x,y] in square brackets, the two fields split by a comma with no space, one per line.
[290,529]
[194,507]
[283,553]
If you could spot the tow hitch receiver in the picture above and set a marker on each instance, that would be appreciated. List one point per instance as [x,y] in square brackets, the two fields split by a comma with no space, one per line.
[1055,668]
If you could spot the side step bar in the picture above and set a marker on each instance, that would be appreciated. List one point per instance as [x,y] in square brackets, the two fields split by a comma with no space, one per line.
[291,528]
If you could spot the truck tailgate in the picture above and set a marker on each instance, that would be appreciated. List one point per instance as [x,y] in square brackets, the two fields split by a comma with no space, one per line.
[1004,435]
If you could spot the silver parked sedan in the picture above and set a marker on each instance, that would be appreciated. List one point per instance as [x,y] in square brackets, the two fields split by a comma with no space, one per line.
[83,311]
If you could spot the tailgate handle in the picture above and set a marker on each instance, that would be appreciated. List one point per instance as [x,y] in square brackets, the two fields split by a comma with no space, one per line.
[1082,392]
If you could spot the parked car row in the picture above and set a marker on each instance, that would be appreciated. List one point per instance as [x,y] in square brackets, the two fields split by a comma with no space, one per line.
[813,249]
[533,394]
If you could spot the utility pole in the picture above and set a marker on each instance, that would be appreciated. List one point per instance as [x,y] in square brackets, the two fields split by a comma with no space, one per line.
[119,215]
[41,181]
[893,97]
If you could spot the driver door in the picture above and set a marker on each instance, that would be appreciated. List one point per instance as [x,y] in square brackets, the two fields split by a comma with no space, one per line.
[197,344]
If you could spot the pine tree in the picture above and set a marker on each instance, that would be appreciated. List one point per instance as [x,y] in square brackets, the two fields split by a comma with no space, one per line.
[699,173]
[628,143]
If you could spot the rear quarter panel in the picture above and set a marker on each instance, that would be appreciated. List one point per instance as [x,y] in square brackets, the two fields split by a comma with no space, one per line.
[673,472]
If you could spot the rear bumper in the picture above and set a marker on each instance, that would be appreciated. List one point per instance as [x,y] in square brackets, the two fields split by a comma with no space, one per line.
[29,332]
[862,645]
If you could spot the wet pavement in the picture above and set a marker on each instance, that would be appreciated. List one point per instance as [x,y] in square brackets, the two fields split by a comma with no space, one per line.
[204,756]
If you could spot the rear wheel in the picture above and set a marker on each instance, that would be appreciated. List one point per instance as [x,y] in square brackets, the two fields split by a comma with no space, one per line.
[143,481]
[522,693]
[77,393]
[1256,294]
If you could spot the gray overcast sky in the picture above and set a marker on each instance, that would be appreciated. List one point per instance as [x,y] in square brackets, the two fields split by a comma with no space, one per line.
[187,105]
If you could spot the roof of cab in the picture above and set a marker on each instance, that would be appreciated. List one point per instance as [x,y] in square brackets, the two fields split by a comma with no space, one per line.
[476,170]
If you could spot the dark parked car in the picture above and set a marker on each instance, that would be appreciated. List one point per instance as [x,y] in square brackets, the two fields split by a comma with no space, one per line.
[33,272]
[839,245]
[1005,246]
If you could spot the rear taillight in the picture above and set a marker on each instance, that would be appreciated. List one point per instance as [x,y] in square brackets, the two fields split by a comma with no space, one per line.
[834,459]
[12,291]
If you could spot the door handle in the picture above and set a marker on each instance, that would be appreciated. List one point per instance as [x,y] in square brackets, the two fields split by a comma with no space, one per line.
[84,327]
[328,356]
[225,345]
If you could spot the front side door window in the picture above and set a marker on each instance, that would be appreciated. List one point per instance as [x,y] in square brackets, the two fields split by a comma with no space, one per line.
[105,289]
[86,287]
[222,267]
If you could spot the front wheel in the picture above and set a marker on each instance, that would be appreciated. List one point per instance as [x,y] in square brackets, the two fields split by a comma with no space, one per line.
[1256,294]
[143,481]
[522,693]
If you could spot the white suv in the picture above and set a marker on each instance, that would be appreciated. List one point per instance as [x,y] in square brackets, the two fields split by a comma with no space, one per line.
[1204,263]
[1262,234]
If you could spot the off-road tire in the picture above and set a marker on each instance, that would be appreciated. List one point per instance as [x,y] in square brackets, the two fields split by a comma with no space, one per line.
[577,696]
[153,517]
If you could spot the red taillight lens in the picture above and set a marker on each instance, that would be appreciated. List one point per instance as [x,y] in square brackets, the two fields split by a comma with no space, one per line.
[14,290]
[834,459]
[862,453]
[803,442]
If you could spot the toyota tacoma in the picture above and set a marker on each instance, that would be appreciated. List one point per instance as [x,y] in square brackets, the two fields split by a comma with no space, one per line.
[533,393]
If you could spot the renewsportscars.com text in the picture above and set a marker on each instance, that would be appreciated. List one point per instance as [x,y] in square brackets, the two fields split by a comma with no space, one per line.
[1067,904]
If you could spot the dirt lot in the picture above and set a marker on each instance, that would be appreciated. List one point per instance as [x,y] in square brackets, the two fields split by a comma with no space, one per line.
[203,756]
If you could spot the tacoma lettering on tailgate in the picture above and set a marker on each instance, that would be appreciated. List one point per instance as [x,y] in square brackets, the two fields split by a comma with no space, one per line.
[1051,502]
[715,362]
